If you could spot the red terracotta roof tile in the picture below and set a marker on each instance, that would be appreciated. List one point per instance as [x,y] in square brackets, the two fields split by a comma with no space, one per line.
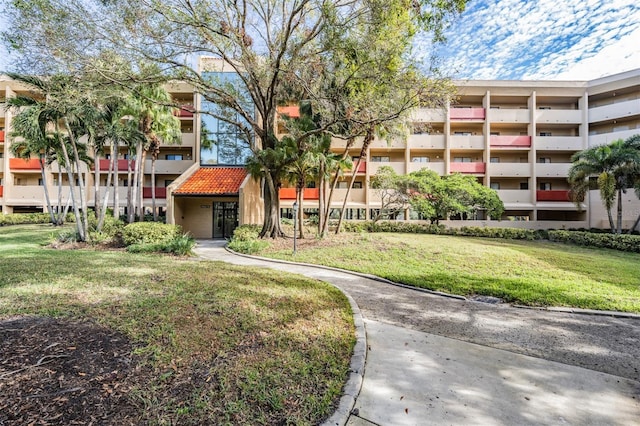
[213,181]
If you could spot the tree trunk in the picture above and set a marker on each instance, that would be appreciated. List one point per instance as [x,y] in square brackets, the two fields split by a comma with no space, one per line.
[76,210]
[105,201]
[153,187]
[334,183]
[611,224]
[363,154]
[61,218]
[635,224]
[141,187]
[271,227]
[300,218]
[46,192]
[619,218]
[322,183]
[83,199]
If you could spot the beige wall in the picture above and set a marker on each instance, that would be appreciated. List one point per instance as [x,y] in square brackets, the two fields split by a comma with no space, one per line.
[598,214]
[251,208]
[195,215]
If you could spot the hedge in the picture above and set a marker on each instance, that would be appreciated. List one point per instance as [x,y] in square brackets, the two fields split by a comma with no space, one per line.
[29,218]
[149,233]
[622,242]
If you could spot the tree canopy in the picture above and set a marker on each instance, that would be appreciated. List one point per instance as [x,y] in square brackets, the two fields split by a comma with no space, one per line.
[352,60]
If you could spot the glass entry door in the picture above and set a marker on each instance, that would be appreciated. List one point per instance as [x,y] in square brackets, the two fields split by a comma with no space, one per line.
[225,218]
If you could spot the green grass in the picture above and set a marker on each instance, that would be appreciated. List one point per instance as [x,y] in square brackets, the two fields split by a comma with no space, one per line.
[525,272]
[225,344]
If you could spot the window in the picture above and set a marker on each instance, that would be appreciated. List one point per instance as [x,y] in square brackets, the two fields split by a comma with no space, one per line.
[380,159]
[462,133]
[494,185]
[462,159]
[40,182]
[494,133]
[544,107]
[174,156]
[545,133]
[420,159]
[357,185]
[1,154]
[168,182]
[545,186]
[494,160]
[342,185]
[524,185]
[495,107]
[544,160]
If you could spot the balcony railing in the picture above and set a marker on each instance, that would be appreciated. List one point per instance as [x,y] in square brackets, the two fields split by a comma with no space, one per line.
[1,135]
[291,111]
[185,111]
[161,192]
[23,164]
[466,113]
[426,141]
[508,141]
[122,165]
[553,195]
[362,168]
[290,193]
[1,191]
[473,168]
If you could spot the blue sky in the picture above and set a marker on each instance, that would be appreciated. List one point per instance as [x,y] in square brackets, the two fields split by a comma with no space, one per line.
[543,39]
[537,40]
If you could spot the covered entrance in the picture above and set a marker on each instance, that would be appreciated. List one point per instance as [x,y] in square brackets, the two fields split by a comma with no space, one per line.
[225,218]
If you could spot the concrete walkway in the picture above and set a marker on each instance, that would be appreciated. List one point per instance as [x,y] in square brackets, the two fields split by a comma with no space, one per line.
[435,360]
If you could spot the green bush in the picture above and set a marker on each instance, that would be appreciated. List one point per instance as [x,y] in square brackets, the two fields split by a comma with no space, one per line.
[245,239]
[622,242]
[149,233]
[181,245]
[29,218]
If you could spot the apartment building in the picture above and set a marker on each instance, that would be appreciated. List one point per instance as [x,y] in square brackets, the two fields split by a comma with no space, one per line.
[516,137]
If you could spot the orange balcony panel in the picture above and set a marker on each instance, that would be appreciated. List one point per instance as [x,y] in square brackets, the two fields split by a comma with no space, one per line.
[362,168]
[553,195]
[508,141]
[291,111]
[1,191]
[122,165]
[468,168]
[290,193]
[466,113]
[161,192]
[185,111]
[22,164]
[1,135]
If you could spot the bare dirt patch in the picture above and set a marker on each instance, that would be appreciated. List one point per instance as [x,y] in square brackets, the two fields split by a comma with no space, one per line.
[64,372]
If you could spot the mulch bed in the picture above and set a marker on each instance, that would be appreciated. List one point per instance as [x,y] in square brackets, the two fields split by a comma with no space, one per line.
[64,372]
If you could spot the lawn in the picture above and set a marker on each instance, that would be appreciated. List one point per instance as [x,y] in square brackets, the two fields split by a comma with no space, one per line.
[532,273]
[197,342]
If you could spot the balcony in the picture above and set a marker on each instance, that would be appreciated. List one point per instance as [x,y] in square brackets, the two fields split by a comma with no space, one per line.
[605,138]
[428,115]
[425,141]
[362,168]
[515,196]
[436,167]
[564,116]
[356,195]
[558,143]
[510,169]
[26,195]
[398,166]
[290,193]
[185,111]
[1,135]
[553,169]
[168,167]
[392,144]
[553,195]
[291,111]
[468,168]
[509,141]
[161,192]
[188,139]
[467,142]
[615,111]
[22,164]
[510,115]
[1,191]
[466,113]
[123,165]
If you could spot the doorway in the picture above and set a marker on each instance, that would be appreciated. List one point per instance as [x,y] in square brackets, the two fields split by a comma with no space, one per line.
[225,218]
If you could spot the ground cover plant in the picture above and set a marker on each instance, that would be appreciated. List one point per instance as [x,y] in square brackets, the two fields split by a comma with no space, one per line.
[536,273]
[112,337]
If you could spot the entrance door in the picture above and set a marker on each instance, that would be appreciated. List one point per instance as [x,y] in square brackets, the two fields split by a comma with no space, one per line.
[225,218]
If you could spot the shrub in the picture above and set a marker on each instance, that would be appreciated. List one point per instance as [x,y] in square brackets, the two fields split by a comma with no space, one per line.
[29,218]
[245,240]
[181,245]
[149,233]
[622,242]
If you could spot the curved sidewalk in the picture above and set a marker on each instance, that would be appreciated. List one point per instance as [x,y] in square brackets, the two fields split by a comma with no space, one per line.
[434,360]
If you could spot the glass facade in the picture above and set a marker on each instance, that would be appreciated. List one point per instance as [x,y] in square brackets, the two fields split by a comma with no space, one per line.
[222,142]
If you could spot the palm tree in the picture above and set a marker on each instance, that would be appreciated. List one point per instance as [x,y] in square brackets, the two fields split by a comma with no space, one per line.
[633,143]
[613,166]
[150,106]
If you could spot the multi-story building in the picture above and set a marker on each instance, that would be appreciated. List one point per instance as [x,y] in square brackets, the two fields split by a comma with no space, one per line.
[516,137]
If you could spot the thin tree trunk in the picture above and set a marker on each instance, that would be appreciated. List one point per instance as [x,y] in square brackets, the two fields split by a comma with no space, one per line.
[61,219]
[611,224]
[300,212]
[116,180]
[619,230]
[131,193]
[141,187]
[96,185]
[153,187]
[363,154]
[83,199]
[105,201]
[322,183]
[334,183]
[76,210]
[635,225]
[46,193]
